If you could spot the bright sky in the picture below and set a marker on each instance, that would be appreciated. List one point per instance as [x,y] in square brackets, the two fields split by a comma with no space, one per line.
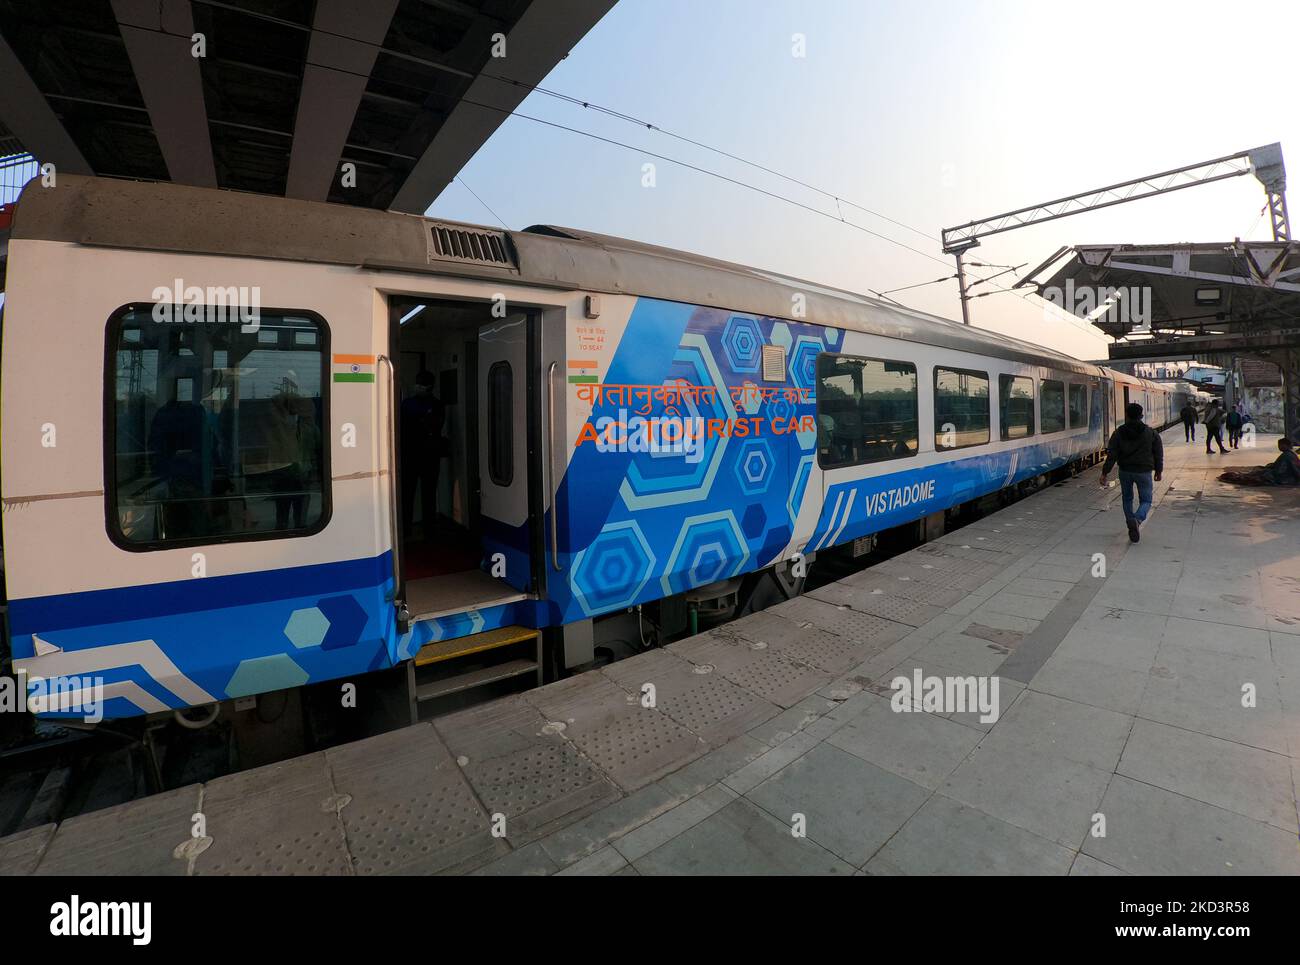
[929,112]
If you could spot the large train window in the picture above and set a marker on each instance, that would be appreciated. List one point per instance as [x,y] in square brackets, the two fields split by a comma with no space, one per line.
[1078,405]
[866,410]
[1051,401]
[961,408]
[215,429]
[1016,406]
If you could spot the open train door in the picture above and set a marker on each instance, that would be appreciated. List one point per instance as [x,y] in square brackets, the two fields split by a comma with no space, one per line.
[505,384]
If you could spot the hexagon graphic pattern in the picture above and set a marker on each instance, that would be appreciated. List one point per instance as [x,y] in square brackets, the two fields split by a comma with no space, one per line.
[612,571]
[346,621]
[262,674]
[803,362]
[307,627]
[754,466]
[781,336]
[742,341]
[679,480]
[709,548]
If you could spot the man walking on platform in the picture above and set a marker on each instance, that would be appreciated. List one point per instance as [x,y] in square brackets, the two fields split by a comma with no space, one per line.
[1214,427]
[1189,422]
[1137,448]
[1234,427]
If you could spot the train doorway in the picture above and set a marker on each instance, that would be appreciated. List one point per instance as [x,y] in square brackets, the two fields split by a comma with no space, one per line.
[462,459]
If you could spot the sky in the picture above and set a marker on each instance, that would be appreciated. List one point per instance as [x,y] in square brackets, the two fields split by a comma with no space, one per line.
[927,112]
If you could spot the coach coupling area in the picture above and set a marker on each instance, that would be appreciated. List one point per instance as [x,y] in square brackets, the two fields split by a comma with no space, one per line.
[1134,708]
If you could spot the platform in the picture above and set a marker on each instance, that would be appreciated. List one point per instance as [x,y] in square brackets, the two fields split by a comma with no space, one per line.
[1159,705]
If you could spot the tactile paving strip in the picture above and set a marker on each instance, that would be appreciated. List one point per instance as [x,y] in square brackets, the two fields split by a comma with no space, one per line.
[761,672]
[801,643]
[695,696]
[271,820]
[875,632]
[539,786]
[939,568]
[410,809]
[522,769]
[20,853]
[891,606]
[131,839]
[779,681]
[636,745]
[715,708]
[579,698]
[649,667]
[909,589]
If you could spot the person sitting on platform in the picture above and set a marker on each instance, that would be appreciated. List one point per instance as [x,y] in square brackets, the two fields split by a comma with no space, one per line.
[1282,471]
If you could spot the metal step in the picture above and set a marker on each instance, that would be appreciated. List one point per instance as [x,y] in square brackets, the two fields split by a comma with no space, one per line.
[474,643]
[475,678]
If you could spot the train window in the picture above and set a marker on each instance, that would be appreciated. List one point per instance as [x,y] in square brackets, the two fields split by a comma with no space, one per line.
[1078,405]
[961,408]
[866,410]
[501,425]
[1051,401]
[1016,405]
[215,430]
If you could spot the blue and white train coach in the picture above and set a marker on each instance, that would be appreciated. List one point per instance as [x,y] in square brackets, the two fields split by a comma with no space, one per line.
[212,427]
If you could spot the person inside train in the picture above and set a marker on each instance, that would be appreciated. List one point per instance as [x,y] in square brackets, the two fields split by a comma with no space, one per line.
[1282,471]
[185,456]
[422,447]
[1214,427]
[290,432]
[1139,453]
[1189,421]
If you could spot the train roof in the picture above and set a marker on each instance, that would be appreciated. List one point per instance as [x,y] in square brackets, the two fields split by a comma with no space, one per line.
[162,216]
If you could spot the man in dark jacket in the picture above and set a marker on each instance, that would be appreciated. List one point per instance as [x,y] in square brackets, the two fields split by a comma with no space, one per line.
[1214,427]
[1189,422]
[1233,421]
[1137,448]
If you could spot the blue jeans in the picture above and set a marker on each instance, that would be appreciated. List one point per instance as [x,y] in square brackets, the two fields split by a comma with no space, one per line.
[1145,490]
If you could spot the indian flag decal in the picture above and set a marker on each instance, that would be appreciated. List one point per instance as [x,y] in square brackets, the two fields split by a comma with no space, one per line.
[354,368]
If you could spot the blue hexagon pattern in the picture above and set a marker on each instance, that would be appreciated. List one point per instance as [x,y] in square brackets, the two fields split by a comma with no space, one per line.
[742,341]
[709,548]
[346,618]
[306,627]
[754,466]
[610,572]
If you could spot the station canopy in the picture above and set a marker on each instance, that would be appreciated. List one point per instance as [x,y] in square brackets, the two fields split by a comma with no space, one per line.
[276,96]
[1190,300]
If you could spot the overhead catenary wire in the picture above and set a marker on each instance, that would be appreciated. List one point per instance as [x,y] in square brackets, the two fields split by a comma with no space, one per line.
[466,186]
[630,147]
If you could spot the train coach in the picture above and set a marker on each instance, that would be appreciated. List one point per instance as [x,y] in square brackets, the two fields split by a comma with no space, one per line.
[253,444]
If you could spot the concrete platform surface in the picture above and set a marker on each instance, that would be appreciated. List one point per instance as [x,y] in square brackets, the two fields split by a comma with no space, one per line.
[1148,722]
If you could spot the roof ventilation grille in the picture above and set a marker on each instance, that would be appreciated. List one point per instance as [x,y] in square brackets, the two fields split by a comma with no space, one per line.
[448,243]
